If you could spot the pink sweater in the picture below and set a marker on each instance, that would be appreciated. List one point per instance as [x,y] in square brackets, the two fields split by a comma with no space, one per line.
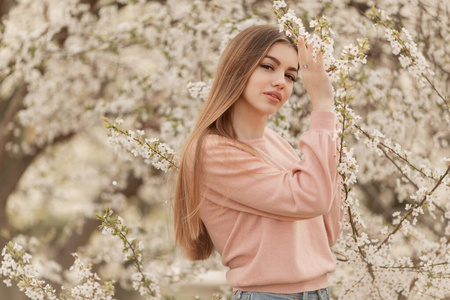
[273,221]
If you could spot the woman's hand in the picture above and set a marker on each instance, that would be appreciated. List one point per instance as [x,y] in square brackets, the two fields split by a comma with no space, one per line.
[315,79]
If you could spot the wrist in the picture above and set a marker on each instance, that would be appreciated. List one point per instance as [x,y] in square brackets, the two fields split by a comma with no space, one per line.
[323,121]
[328,106]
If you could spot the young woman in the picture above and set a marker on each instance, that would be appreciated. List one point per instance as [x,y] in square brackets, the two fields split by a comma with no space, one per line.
[242,189]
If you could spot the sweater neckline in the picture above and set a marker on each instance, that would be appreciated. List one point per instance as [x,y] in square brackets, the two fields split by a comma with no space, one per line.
[256,140]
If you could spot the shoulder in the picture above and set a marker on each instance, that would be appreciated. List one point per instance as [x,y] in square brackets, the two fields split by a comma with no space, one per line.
[214,141]
[216,145]
[220,148]
[274,138]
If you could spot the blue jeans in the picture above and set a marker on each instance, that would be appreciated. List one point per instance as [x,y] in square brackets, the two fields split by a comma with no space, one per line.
[322,294]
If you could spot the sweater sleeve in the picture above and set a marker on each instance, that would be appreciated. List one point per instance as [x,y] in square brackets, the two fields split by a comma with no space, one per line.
[334,217]
[237,179]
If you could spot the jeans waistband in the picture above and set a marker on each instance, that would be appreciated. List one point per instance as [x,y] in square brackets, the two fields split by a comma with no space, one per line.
[320,294]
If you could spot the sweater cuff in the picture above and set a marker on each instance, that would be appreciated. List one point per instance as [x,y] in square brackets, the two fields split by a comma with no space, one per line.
[323,120]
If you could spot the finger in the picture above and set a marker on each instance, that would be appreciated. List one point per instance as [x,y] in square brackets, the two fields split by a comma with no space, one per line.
[310,55]
[319,59]
[302,52]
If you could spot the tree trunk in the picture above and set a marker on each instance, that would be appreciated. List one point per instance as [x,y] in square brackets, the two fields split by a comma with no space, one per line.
[5,6]
[10,173]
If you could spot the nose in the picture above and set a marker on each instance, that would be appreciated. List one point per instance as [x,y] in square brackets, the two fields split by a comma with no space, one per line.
[279,80]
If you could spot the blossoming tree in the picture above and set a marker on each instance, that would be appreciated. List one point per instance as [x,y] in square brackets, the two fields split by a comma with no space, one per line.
[143,69]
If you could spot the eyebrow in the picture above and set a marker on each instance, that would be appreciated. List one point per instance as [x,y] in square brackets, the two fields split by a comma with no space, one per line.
[279,63]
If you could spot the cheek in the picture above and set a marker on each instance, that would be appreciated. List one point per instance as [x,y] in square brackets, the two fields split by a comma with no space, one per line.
[249,92]
[289,91]
[251,84]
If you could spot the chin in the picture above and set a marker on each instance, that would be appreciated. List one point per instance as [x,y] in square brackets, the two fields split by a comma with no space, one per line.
[274,110]
[267,111]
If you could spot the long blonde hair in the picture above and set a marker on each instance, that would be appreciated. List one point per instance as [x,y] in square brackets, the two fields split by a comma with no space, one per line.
[240,58]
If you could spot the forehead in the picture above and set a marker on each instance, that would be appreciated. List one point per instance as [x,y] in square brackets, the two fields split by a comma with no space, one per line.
[285,53]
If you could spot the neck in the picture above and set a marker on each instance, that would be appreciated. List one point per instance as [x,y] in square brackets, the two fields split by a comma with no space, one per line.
[246,122]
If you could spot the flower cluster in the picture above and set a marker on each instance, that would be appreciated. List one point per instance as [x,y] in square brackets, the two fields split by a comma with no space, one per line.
[143,282]
[402,45]
[154,152]
[291,24]
[277,4]
[321,40]
[199,90]
[17,266]
[348,166]
[89,286]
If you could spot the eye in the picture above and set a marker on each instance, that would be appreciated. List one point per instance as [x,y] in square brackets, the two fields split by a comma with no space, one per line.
[291,77]
[266,66]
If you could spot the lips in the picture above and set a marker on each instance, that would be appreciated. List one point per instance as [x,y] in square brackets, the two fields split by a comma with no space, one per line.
[274,96]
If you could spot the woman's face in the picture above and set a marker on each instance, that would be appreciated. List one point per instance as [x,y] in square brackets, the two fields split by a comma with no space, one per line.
[270,85]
